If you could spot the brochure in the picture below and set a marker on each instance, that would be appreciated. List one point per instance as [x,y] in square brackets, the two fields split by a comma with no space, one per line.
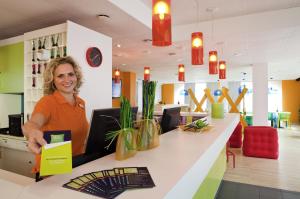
[111,183]
[56,157]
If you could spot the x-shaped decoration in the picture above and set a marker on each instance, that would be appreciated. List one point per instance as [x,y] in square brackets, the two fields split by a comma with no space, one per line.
[207,95]
[234,105]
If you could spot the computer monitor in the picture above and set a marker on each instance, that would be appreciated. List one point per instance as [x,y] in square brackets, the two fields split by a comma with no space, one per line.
[104,121]
[170,119]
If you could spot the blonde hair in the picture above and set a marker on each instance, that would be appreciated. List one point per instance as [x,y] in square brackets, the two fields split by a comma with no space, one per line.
[49,86]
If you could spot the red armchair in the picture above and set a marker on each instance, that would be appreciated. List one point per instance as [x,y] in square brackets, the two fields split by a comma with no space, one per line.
[261,141]
[235,140]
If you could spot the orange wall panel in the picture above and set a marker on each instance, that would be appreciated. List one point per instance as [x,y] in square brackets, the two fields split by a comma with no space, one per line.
[291,98]
[128,88]
[167,93]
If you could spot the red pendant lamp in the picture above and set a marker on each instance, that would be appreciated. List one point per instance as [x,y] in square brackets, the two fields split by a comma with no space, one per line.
[181,72]
[146,73]
[222,70]
[197,48]
[161,23]
[117,75]
[213,62]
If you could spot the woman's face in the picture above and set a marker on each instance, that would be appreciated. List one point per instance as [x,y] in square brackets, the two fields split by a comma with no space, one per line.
[65,79]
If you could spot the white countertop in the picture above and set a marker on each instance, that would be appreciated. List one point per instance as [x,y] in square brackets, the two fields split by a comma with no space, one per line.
[12,185]
[178,166]
[185,114]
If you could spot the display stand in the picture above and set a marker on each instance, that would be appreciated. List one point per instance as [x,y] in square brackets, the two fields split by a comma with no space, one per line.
[40,47]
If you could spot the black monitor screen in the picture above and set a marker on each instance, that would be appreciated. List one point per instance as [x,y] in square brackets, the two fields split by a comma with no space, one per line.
[170,119]
[103,122]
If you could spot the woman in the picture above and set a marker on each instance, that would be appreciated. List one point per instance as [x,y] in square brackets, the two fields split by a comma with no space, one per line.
[60,108]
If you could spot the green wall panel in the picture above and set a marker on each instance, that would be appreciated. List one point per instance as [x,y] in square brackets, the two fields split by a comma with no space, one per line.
[211,183]
[12,68]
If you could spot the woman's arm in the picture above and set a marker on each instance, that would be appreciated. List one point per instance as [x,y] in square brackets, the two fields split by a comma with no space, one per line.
[32,132]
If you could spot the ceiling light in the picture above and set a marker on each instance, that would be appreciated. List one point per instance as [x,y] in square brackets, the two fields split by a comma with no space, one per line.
[212,9]
[146,51]
[103,17]
[222,70]
[171,54]
[213,62]
[118,45]
[161,23]
[146,73]
[237,54]
[147,40]
[123,64]
[197,48]
[181,72]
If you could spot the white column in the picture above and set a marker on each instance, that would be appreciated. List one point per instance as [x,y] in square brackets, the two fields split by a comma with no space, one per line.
[187,86]
[260,94]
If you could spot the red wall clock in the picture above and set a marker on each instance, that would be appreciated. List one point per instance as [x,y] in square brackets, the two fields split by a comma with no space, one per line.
[94,57]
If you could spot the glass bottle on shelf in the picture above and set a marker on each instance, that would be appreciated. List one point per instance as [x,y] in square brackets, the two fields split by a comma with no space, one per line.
[52,53]
[40,44]
[57,38]
[65,51]
[44,43]
[58,52]
[33,81]
[53,41]
[39,68]
[33,45]
[33,69]
[33,57]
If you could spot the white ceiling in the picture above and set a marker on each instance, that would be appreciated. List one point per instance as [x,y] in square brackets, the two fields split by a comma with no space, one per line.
[245,33]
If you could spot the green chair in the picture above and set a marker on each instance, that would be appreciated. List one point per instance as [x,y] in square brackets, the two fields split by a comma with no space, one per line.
[271,118]
[249,120]
[285,117]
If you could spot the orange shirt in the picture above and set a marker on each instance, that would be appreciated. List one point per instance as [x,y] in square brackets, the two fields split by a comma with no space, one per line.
[60,115]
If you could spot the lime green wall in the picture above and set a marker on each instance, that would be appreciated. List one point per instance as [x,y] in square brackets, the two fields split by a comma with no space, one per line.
[12,68]
[211,183]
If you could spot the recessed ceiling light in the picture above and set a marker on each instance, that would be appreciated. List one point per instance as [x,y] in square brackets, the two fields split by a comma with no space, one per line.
[179,60]
[147,40]
[118,55]
[220,43]
[118,45]
[103,16]
[146,51]
[123,64]
[237,54]
[212,9]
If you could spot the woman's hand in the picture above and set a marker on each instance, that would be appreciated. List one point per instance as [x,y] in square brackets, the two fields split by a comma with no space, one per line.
[35,141]
[34,135]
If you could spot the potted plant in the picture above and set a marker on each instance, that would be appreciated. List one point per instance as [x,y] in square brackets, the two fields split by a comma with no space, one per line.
[149,130]
[126,142]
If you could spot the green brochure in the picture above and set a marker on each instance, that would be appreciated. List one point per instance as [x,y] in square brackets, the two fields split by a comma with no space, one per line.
[56,157]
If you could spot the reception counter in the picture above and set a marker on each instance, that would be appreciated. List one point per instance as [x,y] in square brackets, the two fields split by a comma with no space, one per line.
[178,166]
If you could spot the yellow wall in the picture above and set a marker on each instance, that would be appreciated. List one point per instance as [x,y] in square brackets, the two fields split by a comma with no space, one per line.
[291,98]
[128,88]
[167,93]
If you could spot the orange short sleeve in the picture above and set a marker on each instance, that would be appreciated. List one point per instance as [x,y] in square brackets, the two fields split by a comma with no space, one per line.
[43,107]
